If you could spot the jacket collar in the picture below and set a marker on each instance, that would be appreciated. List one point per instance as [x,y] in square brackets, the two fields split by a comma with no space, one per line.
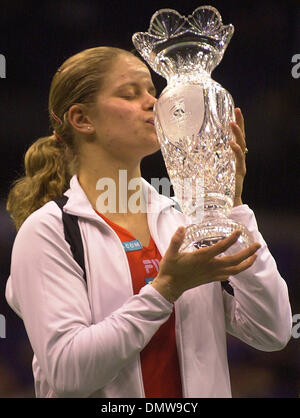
[79,205]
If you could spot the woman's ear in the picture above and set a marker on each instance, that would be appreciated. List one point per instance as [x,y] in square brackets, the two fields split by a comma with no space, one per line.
[80,119]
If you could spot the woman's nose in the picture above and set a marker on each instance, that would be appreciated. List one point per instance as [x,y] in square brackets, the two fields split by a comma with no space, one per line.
[149,101]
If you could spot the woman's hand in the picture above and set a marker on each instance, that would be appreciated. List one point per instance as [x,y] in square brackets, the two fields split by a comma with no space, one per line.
[239,148]
[180,271]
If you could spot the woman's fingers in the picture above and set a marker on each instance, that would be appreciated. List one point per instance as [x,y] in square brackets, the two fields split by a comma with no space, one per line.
[233,260]
[176,241]
[222,245]
[239,158]
[232,264]
[244,265]
[239,135]
[238,129]
[240,120]
[237,149]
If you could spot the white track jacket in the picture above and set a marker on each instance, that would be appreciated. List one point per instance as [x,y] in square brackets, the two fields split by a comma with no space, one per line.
[87,338]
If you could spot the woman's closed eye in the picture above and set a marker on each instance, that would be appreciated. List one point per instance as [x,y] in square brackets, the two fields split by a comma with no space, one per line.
[128,94]
[133,94]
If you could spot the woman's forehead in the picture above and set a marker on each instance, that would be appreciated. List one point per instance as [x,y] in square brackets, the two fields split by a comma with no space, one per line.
[128,68]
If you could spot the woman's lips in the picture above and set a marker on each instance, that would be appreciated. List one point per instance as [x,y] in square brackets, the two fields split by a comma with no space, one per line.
[151,120]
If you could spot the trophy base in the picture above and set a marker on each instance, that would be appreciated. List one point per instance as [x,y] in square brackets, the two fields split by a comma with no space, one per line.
[210,231]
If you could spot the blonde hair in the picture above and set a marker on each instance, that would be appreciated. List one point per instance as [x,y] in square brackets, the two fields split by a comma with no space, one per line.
[50,163]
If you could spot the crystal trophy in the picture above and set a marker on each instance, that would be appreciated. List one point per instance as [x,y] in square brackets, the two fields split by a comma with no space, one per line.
[192,118]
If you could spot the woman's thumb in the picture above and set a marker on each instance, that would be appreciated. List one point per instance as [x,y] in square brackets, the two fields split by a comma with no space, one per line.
[176,241]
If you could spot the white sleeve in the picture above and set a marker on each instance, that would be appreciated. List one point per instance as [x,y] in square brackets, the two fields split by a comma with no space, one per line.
[47,289]
[259,313]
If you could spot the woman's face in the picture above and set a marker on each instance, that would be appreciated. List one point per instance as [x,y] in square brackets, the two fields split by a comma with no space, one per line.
[124,111]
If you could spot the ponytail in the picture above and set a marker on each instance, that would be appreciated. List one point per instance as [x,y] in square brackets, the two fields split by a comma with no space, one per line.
[48,169]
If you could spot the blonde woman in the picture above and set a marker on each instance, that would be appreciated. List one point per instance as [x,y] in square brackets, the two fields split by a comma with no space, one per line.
[117,334]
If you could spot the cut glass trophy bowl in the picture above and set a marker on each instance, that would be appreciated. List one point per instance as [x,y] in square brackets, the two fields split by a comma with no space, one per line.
[192,118]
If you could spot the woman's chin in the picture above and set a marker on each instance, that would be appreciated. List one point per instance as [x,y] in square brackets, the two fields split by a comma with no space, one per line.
[154,144]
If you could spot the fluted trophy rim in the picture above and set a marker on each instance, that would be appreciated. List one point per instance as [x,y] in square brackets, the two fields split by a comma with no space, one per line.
[146,43]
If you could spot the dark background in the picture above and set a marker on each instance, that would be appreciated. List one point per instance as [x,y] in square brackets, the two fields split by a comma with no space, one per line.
[36,37]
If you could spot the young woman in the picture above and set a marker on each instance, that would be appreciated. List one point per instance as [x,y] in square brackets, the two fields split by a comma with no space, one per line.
[118,334]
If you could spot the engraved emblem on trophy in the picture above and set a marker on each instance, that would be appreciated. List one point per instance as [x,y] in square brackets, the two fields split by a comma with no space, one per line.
[192,118]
